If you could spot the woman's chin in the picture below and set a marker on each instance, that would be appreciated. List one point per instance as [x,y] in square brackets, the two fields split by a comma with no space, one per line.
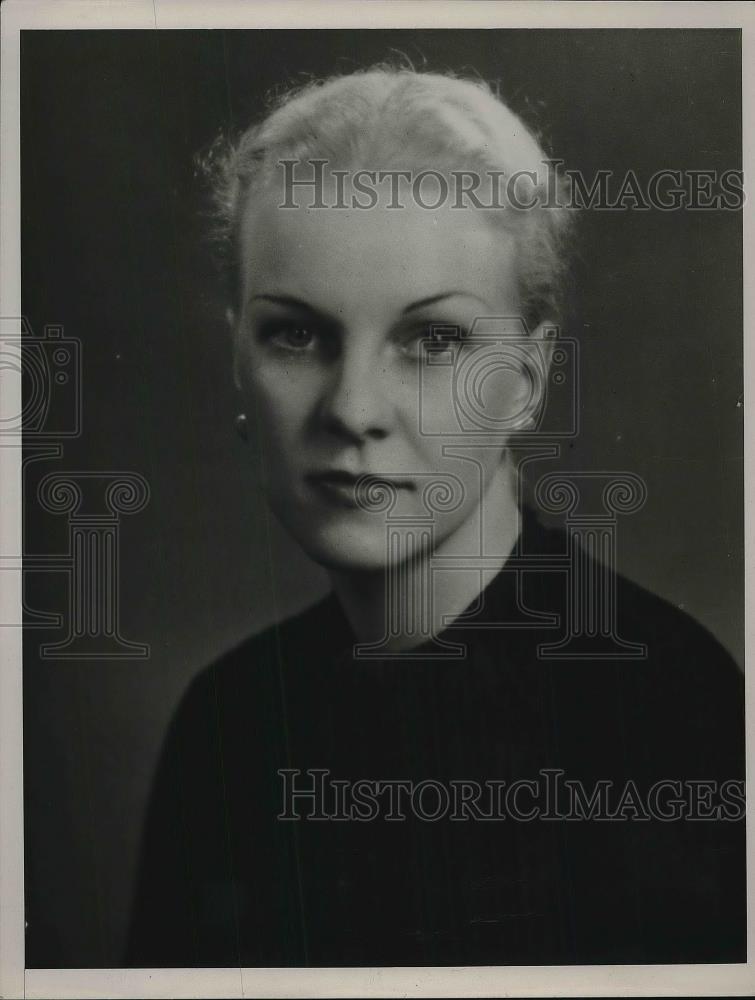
[358,542]
[347,549]
[348,558]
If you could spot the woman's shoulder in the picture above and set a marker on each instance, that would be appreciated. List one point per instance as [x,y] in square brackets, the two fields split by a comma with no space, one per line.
[663,679]
[612,634]
[637,615]
[251,668]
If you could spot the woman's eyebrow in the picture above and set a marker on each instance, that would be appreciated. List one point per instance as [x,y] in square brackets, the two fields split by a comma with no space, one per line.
[432,299]
[286,300]
[292,302]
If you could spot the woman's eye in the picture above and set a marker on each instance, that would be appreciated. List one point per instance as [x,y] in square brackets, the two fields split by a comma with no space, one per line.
[290,336]
[424,341]
[413,344]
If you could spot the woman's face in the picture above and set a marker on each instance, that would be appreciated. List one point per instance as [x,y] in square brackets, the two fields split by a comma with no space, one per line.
[336,382]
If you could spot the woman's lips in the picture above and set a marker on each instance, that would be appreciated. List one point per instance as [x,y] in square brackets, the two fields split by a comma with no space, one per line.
[340,487]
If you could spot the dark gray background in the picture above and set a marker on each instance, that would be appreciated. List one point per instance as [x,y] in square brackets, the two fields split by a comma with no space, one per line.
[111,249]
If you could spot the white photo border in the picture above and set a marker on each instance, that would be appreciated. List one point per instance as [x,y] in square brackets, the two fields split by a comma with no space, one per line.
[622,980]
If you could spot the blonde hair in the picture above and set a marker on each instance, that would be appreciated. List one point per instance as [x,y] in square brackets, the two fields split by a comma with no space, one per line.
[386,115]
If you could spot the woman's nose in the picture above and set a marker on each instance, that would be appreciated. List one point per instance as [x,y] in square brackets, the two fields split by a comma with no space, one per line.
[353,405]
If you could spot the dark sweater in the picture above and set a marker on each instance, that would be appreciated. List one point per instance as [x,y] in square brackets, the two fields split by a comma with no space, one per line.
[224,882]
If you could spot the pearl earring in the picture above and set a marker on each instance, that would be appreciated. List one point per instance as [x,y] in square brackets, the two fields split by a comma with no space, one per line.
[241,426]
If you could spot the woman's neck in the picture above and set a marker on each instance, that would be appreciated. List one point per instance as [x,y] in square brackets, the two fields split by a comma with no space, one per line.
[405,605]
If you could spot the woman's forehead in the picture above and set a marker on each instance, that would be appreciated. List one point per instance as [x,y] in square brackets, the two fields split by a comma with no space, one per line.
[376,249]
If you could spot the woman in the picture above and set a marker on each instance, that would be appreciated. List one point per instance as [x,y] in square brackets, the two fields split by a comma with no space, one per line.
[405,774]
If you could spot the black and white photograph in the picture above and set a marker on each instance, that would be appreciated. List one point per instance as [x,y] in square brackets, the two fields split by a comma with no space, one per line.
[373,460]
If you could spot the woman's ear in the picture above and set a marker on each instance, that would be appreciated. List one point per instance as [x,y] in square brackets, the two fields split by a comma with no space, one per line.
[546,334]
[230,318]
[535,374]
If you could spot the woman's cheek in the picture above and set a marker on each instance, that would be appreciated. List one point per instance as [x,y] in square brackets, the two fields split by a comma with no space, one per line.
[429,403]
[281,396]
